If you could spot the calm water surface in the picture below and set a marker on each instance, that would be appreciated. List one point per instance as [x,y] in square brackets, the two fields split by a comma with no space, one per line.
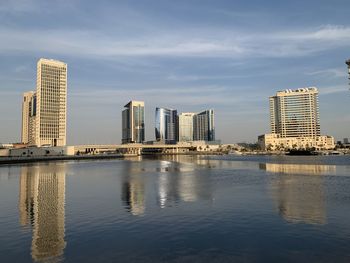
[177,209]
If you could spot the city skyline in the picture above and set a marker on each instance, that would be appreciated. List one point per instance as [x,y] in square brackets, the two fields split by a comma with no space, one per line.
[186,55]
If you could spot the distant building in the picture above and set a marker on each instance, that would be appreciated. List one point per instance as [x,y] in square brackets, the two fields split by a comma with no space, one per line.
[294,120]
[294,113]
[44,112]
[133,122]
[203,126]
[185,125]
[346,140]
[28,117]
[166,125]
[274,141]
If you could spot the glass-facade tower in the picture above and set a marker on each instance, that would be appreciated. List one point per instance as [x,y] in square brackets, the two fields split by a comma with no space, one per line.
[166,125]
[203,126]
[133,122]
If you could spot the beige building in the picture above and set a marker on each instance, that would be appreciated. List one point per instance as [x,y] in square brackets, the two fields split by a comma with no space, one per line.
[133,122]
[275,142]
[186,126]
[294,113]
[44,112]
[28,116]
[294,121]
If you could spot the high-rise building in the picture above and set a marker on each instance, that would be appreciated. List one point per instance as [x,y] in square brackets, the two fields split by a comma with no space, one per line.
[166,125]
[51,103]
[133,122]
[295,113]
[28,115]
[295,124]
[44,112]
[203,126]
[185,122]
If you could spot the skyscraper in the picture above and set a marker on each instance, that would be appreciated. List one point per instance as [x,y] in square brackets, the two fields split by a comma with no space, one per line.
[295,113]
[51,96]
[133,122]
[44,112]
[203,126]
[166,125]
[28,115]
[185,125]
[295,123]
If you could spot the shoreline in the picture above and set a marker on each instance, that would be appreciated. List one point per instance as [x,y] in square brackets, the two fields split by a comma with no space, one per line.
[18,160]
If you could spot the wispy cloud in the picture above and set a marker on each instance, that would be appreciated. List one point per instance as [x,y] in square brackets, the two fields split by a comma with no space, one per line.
[225,44]
[331,72]
[333,89]
[206,96]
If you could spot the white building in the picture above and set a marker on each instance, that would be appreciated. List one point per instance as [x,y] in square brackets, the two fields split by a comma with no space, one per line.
[294,113]
[186,126]
[275,142]
[44,112]
[294,120]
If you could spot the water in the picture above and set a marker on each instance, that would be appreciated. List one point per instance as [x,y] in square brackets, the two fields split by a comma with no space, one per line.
[177,209]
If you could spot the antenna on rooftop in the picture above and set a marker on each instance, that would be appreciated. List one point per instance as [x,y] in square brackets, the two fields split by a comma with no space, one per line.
[348,63]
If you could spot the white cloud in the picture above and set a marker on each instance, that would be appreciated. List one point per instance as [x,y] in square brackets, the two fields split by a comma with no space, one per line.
[331,72]
[219,44]
[333,89]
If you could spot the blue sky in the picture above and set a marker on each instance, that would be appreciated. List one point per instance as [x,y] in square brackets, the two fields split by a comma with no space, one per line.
[189,55]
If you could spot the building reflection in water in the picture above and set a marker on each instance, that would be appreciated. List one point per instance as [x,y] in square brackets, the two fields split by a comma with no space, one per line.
[180,178]
[182,181]
[299,192]
[133,189]
[42,206]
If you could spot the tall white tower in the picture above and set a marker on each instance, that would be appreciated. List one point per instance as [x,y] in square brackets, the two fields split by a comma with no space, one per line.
[51,101]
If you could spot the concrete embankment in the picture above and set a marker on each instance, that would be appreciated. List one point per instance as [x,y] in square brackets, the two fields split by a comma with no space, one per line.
[14,160]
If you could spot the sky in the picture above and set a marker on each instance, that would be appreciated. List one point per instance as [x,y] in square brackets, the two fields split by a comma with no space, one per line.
[188,55]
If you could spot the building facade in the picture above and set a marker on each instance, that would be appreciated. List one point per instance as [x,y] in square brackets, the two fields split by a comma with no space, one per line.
[274,142]
[294,121]
[44,112]
[28,115]
[133,122]
[51,101]
[166,125]
[203,126]
[185,125]
[295,113]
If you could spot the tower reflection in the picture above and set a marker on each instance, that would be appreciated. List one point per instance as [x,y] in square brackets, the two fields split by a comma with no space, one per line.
[299,192]
[42,206]
[133,189]
[182,181]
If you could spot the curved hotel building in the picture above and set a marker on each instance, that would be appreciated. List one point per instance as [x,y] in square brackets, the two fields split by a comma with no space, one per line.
[295,122]
[294,113]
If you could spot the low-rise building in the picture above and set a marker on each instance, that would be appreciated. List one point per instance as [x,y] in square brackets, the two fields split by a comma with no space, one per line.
[274,141]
